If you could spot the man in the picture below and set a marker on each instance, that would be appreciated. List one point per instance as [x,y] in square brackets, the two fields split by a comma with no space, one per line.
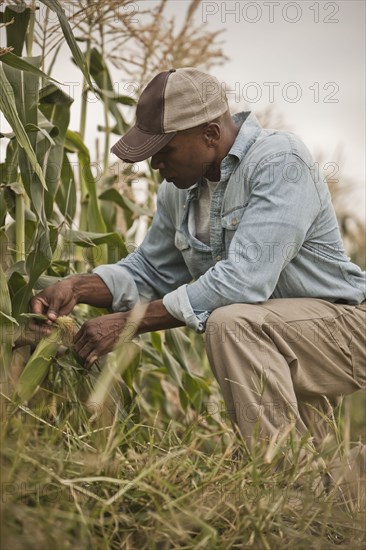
[245,247]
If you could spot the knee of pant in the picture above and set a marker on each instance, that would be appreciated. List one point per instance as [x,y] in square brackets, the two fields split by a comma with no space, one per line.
[221,319]
[236,321]
[219,316]
[242,313]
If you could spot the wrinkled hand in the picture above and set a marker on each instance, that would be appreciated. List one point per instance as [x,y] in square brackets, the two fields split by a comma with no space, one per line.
[99,336]
[60,299]
[55,300]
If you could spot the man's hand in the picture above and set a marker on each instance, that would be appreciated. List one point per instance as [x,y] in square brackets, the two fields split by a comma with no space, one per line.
[100,335]
[61,298]
[55,300]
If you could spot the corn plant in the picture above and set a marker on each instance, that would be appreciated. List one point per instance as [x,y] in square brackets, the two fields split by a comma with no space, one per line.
[125,455]
[57,220]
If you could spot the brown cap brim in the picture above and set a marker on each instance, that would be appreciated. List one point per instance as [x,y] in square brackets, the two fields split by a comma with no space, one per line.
[137,145]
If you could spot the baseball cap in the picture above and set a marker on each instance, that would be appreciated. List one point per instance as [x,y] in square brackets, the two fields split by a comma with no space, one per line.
[173,100]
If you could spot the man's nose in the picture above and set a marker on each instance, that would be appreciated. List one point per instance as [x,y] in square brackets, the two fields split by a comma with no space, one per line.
[157,162]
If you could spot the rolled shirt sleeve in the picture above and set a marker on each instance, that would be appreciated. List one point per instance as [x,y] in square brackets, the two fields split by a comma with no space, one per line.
[179,305]
[121,284]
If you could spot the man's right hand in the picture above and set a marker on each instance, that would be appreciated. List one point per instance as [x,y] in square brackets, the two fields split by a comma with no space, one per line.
[61,297]
[56,300]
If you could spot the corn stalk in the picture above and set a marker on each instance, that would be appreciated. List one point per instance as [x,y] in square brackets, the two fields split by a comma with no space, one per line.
[48,166]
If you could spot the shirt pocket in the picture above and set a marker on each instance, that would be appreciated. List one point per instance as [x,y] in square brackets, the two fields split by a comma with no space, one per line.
[197,261]
[358,343]
[230,222]
[181,241]
[348,332]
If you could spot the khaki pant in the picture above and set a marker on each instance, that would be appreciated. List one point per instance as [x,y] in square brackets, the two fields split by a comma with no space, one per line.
[284,361]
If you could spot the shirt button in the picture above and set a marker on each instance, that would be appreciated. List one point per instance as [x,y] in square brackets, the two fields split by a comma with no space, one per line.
[234,221]
[218,258]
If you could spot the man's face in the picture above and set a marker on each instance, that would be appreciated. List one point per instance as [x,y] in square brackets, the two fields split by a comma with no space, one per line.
[185,159]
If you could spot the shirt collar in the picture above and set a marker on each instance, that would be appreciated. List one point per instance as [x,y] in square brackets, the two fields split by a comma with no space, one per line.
[248,133]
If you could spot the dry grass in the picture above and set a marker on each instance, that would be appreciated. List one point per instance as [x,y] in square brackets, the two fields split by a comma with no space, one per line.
[110,482]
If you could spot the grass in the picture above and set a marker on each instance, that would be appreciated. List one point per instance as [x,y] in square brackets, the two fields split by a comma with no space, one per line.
[159,483]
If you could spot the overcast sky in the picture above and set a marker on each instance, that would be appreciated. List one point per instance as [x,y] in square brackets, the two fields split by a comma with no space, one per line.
[305,58]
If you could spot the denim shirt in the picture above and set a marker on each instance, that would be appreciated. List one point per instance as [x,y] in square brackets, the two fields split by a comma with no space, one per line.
[273,234]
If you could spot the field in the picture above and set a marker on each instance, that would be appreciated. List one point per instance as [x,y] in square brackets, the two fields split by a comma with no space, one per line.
[138,452]
[170,480]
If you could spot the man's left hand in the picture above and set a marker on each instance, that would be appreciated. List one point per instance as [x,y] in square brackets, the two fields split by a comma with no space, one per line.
[100,335]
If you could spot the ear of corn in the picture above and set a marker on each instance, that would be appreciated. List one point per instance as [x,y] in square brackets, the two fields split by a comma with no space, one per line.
[38,365]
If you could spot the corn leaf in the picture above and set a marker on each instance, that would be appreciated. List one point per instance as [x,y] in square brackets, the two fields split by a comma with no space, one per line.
[7,323]
[173,367]
[179,345]
[56,7]
[88,239]
[20,63]
[9,174]
[195,388]
[8,107]
[100,73]
[125,203]
[38,365]
[3,208]
[95,221]
[108,94]
[16,31]
[38,260]
[127,356]
[25,87]
[66,191]
[40,257]
[55,108]
[36,369]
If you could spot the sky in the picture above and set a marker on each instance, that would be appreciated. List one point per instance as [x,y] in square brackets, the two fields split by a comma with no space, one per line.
[305,59]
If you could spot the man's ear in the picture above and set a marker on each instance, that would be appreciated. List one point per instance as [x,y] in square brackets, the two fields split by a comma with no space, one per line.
[211,133]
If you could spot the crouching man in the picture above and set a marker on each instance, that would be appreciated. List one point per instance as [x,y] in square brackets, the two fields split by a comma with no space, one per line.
[244,246]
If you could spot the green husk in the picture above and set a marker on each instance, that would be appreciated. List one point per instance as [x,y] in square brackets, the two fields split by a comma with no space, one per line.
[39,363]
